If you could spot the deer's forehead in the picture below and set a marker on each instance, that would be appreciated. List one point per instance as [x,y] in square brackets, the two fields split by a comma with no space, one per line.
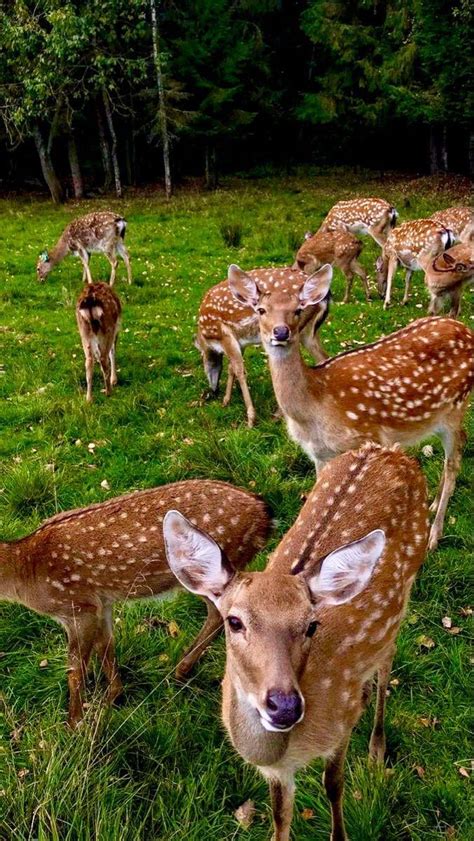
[281,300]
[270,598]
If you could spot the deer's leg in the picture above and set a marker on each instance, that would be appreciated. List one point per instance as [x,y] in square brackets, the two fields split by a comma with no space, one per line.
[360,272]
[82,631]
[408,275]
[122,250]
[112,258]
[334,785]
[86,272]
[211,627]
[89,371]
[392,267]
[349,280]
[453,441]
[282,794]
[113,367]
[229,385]
[105,650]
[377,739]
[106,368]
[434,304]
[232,349]
[455,303]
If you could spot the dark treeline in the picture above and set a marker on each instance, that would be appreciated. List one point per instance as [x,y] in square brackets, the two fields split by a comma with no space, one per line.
[95,94]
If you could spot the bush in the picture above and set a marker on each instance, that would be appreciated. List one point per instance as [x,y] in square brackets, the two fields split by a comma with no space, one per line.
[231,233]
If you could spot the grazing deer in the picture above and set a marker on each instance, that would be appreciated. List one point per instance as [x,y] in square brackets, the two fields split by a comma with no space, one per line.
[76,565]
[98,313]
[459,220]
[306,636]
[339,248]
[446,275]
[362,216]
[409,385]
[409,245]
[102,232]
[226,326]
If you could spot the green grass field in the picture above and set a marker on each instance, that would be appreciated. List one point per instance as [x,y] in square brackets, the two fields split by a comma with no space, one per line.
[159,765]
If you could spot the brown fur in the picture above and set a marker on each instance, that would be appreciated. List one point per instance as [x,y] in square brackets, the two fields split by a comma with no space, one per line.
[459,220]
[98,313]
[339,248]
[362,216]
[446,276]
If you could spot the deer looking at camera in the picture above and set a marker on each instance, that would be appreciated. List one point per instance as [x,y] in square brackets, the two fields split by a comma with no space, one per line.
[446,276]
[226,326]
[98,313]
[102,232]
[459,220]
[409,385]
[76,565]
[339,248]
[371,216]
[305,637]
[409,245]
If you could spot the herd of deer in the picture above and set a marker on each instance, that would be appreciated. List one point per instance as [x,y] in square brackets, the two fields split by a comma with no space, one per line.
[306,636]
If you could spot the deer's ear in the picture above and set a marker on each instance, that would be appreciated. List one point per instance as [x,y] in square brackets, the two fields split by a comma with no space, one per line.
[460,267]
[316,288]
[195,558]
[243,287]
[448,259]
[344,573]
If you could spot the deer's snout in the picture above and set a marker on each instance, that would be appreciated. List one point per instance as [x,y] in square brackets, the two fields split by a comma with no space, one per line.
[281,333]
[284,708]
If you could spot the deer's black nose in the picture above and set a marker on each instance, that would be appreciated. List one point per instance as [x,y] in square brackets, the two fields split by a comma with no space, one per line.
[284,708]
[281,333]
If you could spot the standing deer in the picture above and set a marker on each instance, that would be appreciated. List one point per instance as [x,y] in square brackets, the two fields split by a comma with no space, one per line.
[409,245]
[98,313]
[305,637]
[446,275]
[226,326]
[362,216]
[76,565]
[409,385]
[459,220]
[102,232]
[339,248]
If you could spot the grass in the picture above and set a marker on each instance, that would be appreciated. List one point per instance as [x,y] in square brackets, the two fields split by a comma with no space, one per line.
[158,766]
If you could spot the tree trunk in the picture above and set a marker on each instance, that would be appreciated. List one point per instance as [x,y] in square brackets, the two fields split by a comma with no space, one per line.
[434,168]
[49,174]
[471,153]
[113,151]
[161,101]
[104,149]
[444,148]
[76,174]
[210,169]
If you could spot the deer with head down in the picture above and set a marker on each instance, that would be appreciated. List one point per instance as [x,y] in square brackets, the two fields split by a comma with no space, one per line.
[98,312]
[305,637]
[459,220]
[339,248]
[375,217]
[411,384]
[76,565]
[446,276]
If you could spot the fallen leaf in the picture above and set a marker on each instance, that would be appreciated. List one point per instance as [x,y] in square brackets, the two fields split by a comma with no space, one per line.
[420,771]
[452,520]
[163,658]
[395,682]
[412,619]
[42,744]
[464,772]
[427,450]
[244,815]
[465,611]
[454,630]
[105,485]
[173,629]
[446,622]
[307,814]
[23,772]
[450,832]
[15,734]
[357,795]
[91,446]
[43,664]
[429,721]
[425,642]
[78,442]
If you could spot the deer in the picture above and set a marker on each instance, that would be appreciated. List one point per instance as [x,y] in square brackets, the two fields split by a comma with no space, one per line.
[408,245]
[339,248]
[459,220]
[446,275]
[79,563]
[226,326]
[410,384]
[372,216]
[305,637]
[98,313]
[102,232]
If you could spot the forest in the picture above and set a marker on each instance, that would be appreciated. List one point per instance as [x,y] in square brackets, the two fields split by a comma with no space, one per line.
[97,95]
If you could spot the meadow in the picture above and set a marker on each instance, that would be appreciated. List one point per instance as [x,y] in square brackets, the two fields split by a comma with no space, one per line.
[158,766]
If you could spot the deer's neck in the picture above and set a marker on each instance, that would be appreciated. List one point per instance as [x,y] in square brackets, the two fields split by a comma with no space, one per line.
[59,251]
[295,385]
[255,744]
[7,572]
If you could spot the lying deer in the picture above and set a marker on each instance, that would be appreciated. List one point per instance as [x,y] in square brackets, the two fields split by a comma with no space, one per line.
[459,220]
[409,245]
[305,637]
[102,232]
[446,275]
[339,248]
[98,313]
[409,385]
[76,565]
[226,326]
[362,216]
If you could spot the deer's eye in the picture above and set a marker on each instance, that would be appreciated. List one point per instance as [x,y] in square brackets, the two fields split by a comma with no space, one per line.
[311,630]
[261,311]
[235,624]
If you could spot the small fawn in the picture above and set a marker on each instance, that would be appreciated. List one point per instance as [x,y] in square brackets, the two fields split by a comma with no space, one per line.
[76,565]
[339,248]
[409,244]
[98,313]
[362,216]
[102,232]
[446,275]
[459,220]
[409,385]
[305,637]
[226,325]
